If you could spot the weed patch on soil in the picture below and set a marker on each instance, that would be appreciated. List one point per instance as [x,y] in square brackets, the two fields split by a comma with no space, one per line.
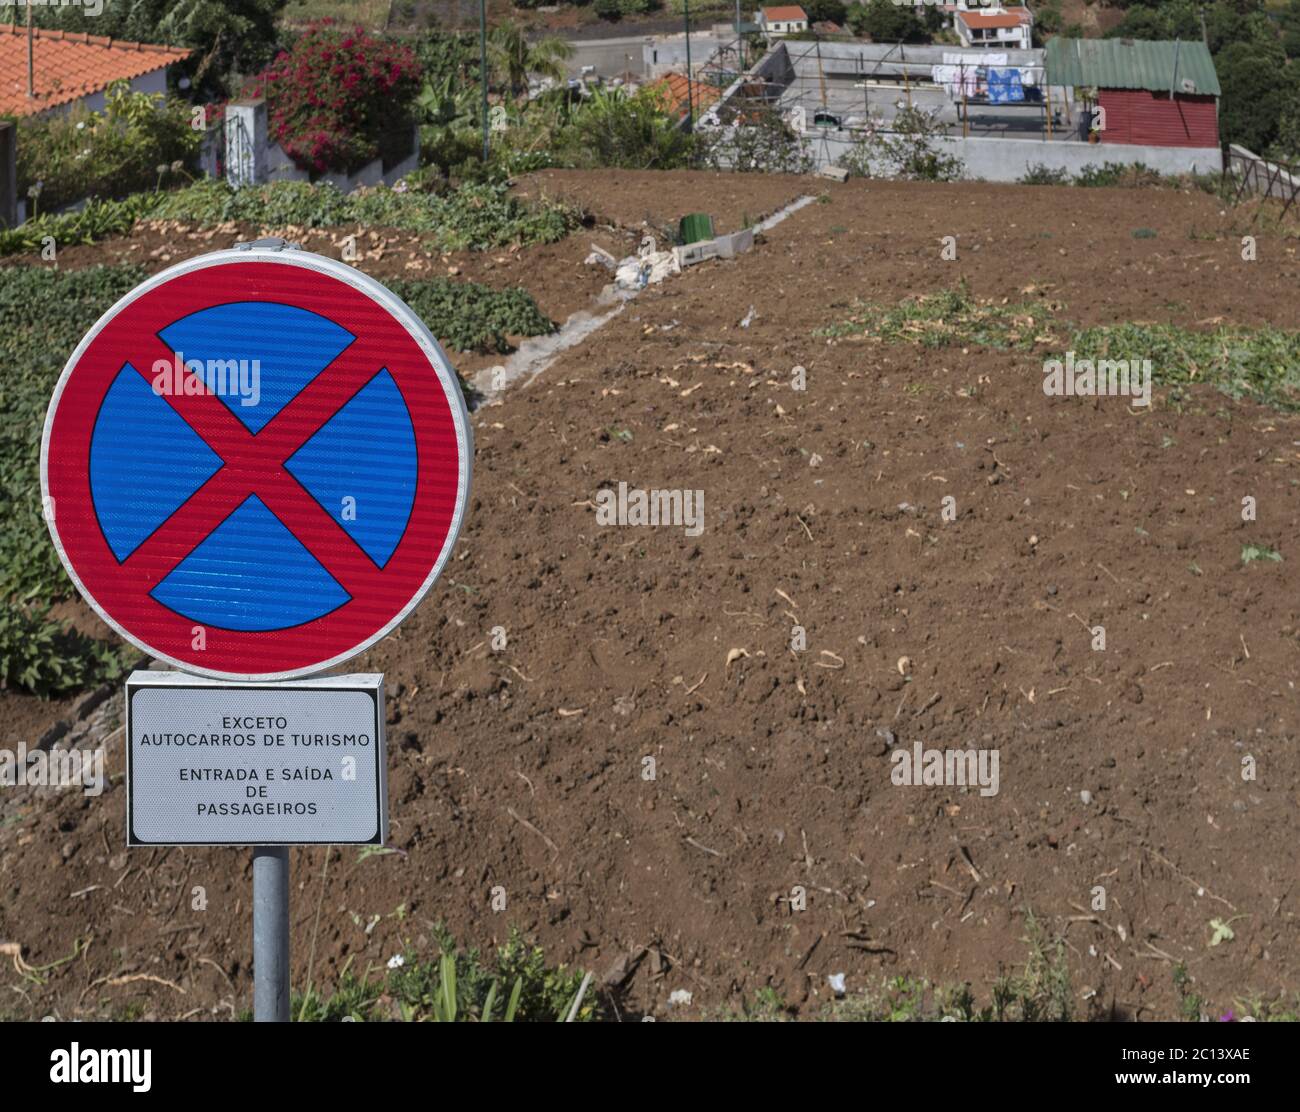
[952,317]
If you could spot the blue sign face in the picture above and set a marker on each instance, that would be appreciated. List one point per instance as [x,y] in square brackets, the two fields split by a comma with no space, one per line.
[256,357]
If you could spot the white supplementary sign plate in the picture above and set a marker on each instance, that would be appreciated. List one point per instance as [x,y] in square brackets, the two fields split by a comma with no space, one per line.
[300,762]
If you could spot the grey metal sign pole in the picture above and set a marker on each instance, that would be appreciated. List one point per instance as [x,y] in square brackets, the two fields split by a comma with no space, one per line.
[271,934]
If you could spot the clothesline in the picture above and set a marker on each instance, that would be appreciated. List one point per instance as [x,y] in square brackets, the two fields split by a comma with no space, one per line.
[964,75]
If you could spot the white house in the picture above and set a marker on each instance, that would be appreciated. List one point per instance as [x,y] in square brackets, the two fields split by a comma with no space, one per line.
[777,22]
[995,28]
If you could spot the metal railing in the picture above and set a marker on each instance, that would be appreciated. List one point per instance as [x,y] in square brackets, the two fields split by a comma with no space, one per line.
[1261,178]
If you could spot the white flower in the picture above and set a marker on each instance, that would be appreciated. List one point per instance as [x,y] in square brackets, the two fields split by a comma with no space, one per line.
[679,996]
[836,981]
[396,961]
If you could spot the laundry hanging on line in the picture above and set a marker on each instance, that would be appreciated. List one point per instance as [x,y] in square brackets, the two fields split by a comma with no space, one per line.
[1005,86]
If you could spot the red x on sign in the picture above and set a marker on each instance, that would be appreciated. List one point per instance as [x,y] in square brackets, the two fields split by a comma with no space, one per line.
[256,464]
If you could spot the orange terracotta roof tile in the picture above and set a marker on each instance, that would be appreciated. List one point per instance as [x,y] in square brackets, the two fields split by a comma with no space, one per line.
[675,85]
[71,66]
[1001,19]
[790,14]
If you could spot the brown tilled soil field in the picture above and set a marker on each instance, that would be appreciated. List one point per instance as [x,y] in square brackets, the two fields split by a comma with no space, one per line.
[523,768]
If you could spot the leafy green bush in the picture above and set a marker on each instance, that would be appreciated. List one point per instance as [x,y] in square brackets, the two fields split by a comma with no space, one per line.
[1042,174]
[817,11]
[470,317]
[1115,174]
[699,7]
[448,54]
[910,147]
[617,9]
[756,139]
[137,142]
[1048,20]
[630,132]
[48,658]
[477,217]
[449,111]
[513,57]
[485,216]
[885,21]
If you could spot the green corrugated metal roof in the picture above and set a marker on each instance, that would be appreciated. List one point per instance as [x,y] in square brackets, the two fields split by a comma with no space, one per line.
[1131,64]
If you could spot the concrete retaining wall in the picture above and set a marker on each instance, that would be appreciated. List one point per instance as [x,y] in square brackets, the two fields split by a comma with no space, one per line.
[1008,160]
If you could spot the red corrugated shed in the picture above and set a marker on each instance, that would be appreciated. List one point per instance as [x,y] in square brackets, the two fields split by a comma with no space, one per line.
[1138,116]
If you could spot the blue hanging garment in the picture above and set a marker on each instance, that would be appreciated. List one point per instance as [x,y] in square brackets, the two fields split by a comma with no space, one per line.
[1005,86]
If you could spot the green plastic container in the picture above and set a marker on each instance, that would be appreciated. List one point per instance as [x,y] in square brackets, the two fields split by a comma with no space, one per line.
[694,228]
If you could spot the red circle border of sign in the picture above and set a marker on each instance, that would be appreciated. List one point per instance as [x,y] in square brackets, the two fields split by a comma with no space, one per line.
[444,446]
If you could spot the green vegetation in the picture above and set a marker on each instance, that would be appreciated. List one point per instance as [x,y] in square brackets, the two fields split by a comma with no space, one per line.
[1124,175]
[339,98]
[368,13]
[512,58]
[477,217]
[137,143]
[699,7]
[834,11]
[1110,174]
[885,21]
[48,658]
[629,132]
[617,9]
[1189,1002]
[763,143]
[1038,992]
[97,220]
[910,148]
[1040,173]
[1262,364]
[1194,1008]
[514,984]
[946,319]
[470,317]
[1249,554]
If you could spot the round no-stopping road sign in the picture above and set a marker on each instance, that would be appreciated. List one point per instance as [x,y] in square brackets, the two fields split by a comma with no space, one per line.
[256,464]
